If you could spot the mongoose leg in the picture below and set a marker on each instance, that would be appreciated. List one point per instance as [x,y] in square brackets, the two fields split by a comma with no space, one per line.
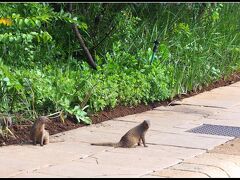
[42,139]
[34,141]
[139,142]
[46,138]
[143,140]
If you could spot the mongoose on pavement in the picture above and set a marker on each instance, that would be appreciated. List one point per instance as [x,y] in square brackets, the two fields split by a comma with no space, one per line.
[38,133]
[131,138]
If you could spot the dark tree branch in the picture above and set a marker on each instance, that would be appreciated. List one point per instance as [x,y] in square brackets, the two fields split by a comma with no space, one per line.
[79,36]
[106,35]
[109,32]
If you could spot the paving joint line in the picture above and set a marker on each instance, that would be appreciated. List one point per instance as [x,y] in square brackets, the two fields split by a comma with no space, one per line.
[226,154]
[104,175]
[91,156]
[191,171]
[185,147]
[18,173]
[202,115]
[52,174]
[148,173]
[173,110]
[216,107]
[210,165]
[28,170]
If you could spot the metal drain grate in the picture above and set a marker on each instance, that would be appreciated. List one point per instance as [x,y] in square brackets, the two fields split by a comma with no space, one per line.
[231,131]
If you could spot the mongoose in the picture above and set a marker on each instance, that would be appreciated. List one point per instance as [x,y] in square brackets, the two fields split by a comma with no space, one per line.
[131,138]
[38,133]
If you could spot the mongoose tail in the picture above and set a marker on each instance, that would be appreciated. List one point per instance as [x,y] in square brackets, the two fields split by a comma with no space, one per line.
[56,141]
[106,144]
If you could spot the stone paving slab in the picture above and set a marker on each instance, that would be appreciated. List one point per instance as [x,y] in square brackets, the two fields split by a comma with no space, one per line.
[212,99]
[207,170]
[151,176]
[229,116]
[235,108]
[222,122]
[29,159]
[230,164]
[227,90]
[89,168]
[80,149]
[178,173]
[164,117]
[213,157]
[12,166]
[164,121]
[236,84]
[7,172]
[35,175]
[190,140]
[168,121]
[226,115]
[164,151]
[230,147]
[186,109]
[146,160]
[209,164]
[90,135]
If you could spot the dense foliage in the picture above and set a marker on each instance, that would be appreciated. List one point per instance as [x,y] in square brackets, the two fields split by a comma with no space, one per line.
[43,68]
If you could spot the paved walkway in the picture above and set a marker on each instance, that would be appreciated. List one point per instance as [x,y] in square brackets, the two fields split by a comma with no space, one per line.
[171,151]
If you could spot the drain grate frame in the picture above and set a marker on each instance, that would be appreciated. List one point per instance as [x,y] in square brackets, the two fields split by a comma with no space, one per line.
[220,130]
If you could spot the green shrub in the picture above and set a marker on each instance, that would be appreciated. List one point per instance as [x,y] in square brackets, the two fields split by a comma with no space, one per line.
[41,71]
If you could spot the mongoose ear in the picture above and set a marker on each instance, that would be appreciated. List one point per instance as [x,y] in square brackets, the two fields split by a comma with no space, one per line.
[147,122]
[44,118]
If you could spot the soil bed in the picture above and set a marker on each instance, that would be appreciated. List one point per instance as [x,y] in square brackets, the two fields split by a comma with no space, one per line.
[21,131]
